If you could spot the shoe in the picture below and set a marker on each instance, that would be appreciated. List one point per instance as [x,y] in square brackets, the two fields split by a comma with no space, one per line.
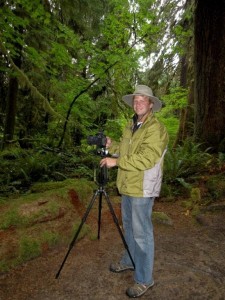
[117,268]
[138,289]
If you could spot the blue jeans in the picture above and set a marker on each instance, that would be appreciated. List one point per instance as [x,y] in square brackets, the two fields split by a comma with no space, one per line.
[138,233]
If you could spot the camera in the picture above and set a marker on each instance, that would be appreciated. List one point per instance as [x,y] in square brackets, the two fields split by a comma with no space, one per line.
[99,140]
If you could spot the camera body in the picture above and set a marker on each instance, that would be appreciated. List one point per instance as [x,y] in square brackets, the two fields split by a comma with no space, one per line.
[99,140]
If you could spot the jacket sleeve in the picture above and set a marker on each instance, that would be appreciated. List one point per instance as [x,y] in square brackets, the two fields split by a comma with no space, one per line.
[114,148]
[148,151]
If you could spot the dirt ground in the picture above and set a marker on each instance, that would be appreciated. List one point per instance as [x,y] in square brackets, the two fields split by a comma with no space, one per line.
[189,264]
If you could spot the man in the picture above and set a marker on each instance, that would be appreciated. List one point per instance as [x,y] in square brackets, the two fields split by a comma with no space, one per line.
[139,160]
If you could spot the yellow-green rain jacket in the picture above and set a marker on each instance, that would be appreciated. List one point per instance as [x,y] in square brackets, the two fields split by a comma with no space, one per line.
[140,159]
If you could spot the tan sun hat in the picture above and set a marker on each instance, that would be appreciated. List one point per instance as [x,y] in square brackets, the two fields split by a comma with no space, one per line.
[146,91]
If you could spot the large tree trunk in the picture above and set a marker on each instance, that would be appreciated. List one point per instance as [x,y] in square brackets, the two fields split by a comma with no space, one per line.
[209,73]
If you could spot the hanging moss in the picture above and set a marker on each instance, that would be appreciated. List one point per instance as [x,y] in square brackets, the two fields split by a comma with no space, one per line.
[24,81]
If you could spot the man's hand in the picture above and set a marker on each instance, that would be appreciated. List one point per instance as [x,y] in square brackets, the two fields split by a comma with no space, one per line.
[108,162]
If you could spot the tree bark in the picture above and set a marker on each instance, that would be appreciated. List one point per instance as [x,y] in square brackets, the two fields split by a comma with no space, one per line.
[186,80]
[10,112]
[209,73]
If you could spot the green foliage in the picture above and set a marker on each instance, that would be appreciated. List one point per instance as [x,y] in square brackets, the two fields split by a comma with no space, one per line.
[4,267]
[184,30]
[161,218]
[63,51]
[172,124]
[167,192]
[216,186]
[176,99]
[60,58]
[221,159]
[23,166]
[185,162]
[195,195]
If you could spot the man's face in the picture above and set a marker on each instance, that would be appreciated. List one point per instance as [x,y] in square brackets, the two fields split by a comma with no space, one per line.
[142,105]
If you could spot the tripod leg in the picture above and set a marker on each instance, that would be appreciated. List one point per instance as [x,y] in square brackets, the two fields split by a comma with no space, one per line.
[78,231]
[99,213]
[118,226]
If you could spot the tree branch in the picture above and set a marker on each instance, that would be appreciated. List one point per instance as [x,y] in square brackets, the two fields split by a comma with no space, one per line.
[88,87]
[22,77]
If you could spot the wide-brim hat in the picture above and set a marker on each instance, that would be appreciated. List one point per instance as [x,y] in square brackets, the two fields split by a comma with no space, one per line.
[145,91]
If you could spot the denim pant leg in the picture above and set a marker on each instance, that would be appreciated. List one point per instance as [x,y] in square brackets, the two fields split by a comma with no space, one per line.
[138,232]
[126,208]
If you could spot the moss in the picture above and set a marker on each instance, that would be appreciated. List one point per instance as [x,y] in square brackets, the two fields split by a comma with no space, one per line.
[4,266]
[38,219]
[12,218]
[195,195]
[83,187]
[161,218]
[29,248]
[188,204]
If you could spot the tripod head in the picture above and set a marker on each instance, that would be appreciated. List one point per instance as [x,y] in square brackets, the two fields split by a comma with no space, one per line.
[101,173]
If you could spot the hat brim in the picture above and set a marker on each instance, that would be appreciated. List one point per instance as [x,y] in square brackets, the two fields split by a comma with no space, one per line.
[128,99]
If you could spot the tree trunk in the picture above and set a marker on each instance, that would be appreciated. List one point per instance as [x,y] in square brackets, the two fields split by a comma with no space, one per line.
[10,112]
[12,95]
[186,80]
[181,134]
[209,73]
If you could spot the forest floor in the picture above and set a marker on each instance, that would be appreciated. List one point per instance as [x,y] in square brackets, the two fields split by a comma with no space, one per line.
[189,263]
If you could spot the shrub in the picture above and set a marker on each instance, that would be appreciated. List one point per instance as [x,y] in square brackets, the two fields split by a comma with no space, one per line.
[184,163]
[216,186]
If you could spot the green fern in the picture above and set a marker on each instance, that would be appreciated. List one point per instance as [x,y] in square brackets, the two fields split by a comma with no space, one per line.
[184,162]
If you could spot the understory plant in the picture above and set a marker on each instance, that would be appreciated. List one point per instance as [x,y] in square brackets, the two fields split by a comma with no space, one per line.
[21,168]
[184,163]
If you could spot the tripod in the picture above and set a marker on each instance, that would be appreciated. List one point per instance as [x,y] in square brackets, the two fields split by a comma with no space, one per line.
[99,192]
